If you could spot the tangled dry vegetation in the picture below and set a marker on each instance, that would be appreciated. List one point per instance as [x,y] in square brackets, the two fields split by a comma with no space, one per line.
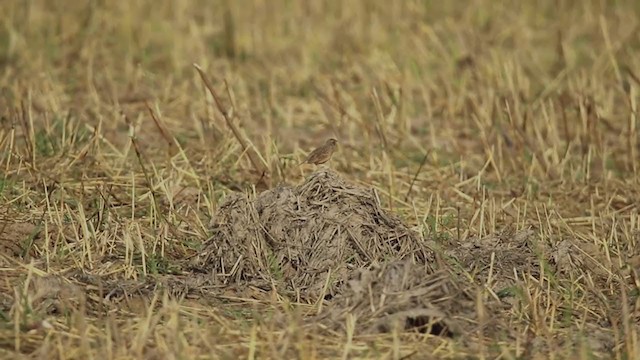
[483,201]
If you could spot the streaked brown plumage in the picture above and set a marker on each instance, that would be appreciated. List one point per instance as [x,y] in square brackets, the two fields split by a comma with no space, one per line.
[322,154]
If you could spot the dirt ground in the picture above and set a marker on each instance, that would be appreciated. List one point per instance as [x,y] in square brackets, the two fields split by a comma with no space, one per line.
[329,241]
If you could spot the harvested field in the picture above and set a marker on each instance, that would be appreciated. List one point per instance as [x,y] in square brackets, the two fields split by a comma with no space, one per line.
[482,201]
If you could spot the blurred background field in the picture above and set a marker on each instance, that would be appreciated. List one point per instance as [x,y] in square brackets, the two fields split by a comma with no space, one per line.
[470,119]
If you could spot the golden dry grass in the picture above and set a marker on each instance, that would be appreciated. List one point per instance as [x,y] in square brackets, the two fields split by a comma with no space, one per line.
[471,120]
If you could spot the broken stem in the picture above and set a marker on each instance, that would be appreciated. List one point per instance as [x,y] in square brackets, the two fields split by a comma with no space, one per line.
[228,117]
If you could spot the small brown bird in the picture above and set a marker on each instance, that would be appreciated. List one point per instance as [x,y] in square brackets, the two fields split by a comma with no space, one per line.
[322,154]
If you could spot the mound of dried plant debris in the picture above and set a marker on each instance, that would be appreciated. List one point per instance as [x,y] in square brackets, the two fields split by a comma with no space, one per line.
[401,296]
[309,237]
[492,260]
